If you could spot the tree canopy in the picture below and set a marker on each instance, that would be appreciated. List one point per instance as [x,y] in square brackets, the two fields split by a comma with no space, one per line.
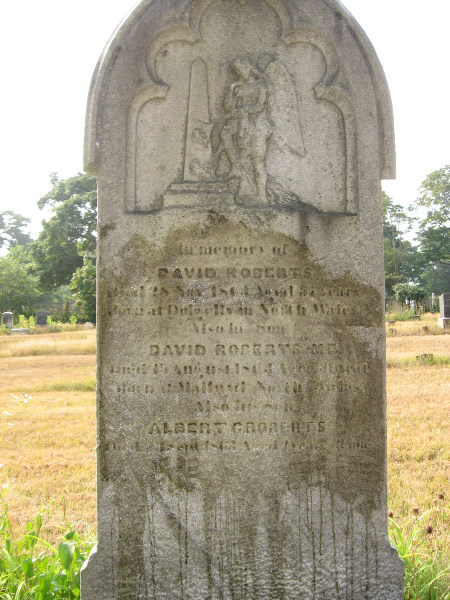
[19,290]
[83,288]
[434,229]
[12,226]
[70,233]
[400,256]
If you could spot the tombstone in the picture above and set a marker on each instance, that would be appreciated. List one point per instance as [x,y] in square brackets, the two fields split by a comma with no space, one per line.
[41,317]
[392,322]
[21,331]
[7,319]
[239,147]
[444,317]
[416,317]
[433,302]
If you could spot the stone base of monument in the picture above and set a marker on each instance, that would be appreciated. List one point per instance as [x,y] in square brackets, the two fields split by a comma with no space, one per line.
[444,323]
[198,193]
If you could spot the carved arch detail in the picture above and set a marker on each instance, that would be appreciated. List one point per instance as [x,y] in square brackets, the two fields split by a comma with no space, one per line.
[295,28]
[326,90]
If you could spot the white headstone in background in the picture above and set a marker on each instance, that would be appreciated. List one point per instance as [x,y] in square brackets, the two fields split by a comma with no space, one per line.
[444,305]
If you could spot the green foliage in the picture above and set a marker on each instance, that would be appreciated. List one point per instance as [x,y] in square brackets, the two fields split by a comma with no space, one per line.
[436,277]
[401,264]
[434,230]
[22,255]
[395,221]
[54,326]
[83,286]
[4,330]
[406,292]
[400,256]
[69,233]
[32,568]
[401,315]
[425,579]
[17,287]
[12,227]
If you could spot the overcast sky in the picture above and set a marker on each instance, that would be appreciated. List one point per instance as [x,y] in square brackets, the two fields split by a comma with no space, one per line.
[49,49]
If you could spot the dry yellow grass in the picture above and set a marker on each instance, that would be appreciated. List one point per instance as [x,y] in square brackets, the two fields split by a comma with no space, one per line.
[73,343]
[419,437]
[33,374]
[48,432]
[47,428]
[425,327]
[407,348]
[48,457]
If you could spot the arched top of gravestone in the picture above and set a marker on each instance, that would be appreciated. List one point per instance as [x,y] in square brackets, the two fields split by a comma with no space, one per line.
[319,72]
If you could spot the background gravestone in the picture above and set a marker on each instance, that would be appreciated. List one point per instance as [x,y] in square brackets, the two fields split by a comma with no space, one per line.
[41,317]
[239,147]
[7,319]
[444,305]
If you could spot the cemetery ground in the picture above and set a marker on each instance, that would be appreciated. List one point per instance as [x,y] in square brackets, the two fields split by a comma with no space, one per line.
[47,431]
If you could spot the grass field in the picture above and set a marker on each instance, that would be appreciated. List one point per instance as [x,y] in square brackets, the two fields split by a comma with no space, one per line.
[47,431]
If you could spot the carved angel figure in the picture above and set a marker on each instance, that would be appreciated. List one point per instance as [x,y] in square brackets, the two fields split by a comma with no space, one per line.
[259,106]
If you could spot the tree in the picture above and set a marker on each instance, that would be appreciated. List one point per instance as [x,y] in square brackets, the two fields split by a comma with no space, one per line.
[12,227]
[400,256]
[436,277]
[434,229]
[70,233]
[18,288]
[83,286]
[406,292]
[400,264]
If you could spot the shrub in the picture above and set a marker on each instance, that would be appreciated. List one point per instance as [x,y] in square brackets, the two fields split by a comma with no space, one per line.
[54,326]
[415,541]
[83,287]
[32,568]
[17,287]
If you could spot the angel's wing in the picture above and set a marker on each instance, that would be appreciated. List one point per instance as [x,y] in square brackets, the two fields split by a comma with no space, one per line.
[282,109]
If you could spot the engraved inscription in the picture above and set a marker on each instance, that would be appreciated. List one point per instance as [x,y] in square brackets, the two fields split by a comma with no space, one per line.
[247,369]
[265,348]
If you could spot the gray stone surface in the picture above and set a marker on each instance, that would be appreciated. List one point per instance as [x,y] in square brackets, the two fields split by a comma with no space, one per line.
[7,319]
[444,323]
[41,317]
[239,147]
[444,305]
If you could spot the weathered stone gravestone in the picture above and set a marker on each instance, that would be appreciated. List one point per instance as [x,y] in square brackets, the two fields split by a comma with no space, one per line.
[444,305]
[7,319]
[41,317]
[239,147]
